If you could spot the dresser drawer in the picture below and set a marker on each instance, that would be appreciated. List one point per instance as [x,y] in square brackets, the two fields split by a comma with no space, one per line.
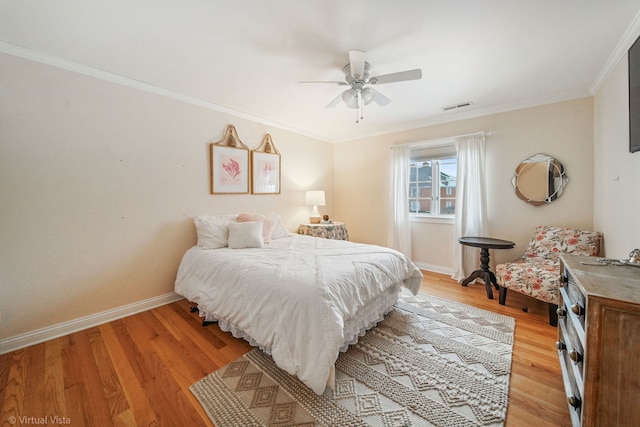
[573,396]
[573,312]
[576,300]
[570,354]
[572,351]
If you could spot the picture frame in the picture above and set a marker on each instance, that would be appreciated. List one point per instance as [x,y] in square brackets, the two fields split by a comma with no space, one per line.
[265,168]
[229,164]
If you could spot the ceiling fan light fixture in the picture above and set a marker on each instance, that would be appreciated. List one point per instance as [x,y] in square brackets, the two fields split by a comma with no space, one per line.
[367,96]
[350,98]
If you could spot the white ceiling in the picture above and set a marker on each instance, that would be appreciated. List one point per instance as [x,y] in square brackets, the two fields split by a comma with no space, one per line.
[247,56]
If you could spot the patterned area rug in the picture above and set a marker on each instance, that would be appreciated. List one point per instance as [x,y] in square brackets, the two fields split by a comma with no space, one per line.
[430,362]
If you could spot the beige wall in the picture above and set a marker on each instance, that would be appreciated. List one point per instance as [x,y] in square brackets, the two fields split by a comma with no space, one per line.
[563,130]
[99,184]
[617,172]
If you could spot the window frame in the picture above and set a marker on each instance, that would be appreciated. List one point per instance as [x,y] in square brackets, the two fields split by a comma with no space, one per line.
[436,183]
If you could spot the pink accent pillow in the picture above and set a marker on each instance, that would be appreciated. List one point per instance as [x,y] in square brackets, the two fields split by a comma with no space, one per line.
[267,226]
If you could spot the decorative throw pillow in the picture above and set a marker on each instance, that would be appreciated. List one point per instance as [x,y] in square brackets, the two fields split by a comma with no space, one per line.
[267,224]
[213,231]
[279,230]
[245,235]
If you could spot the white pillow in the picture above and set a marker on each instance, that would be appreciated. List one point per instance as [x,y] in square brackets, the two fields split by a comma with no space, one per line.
[245,235]
[279,230]
[213,231]
[267,224]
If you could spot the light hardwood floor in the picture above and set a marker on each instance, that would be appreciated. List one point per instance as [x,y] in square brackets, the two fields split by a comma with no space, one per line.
[136,371]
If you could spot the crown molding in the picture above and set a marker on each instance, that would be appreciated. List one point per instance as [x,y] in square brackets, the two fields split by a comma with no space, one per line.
[628,38]
[630,35]
[98,73]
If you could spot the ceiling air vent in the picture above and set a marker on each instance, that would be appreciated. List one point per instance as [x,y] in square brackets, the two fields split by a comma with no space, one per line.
[456,106]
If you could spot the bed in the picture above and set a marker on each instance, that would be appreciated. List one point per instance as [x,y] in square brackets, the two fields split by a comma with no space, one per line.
[299,298]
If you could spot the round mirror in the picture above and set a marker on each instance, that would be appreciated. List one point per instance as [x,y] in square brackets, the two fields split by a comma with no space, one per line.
[540,179]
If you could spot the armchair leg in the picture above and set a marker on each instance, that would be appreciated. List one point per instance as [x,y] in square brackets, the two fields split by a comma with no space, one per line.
[502,295]
[553,314]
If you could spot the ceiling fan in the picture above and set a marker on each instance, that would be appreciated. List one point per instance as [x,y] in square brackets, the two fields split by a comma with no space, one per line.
[360,81]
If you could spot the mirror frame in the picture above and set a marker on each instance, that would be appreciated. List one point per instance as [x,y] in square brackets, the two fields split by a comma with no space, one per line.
[555,183]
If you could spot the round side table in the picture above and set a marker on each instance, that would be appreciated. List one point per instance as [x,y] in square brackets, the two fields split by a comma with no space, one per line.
[485,273]
[332,230]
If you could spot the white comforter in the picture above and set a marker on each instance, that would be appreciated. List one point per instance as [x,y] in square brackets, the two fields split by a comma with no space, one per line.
[293,296]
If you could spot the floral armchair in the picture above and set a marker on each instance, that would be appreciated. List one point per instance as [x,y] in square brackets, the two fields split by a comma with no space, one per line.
[537,272]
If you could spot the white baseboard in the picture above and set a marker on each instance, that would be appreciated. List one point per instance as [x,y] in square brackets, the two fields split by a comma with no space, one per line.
[434,268]
[65,328]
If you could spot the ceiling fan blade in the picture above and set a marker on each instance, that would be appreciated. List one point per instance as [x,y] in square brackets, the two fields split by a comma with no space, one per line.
[325,81]
[397,77]
[356,62]
[379,98]
[334,102]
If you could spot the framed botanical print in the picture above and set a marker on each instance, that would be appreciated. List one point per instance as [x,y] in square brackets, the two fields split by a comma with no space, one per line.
[265,168]
[229,165]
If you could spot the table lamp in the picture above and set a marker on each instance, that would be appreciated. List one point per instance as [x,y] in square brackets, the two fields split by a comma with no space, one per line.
[315,198]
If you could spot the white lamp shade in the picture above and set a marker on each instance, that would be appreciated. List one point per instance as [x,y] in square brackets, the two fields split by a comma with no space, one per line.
[367,95]
[350,97]
[315,198]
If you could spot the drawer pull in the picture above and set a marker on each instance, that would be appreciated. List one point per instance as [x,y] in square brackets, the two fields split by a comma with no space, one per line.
[575,356]
[560,345]
[560,312]
[574,401]
[577,309]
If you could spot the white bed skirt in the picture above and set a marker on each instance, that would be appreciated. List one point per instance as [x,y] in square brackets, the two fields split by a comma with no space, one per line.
[366,318]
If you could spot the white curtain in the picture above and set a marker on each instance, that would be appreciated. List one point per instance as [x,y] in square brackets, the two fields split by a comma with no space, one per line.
[471,208]
[399,231]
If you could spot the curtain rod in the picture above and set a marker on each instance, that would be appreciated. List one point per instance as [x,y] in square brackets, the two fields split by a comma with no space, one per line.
[438,142]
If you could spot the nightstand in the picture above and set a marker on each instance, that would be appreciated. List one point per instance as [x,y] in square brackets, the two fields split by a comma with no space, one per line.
[334,230]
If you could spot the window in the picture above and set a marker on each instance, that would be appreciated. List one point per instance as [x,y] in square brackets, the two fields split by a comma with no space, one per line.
[427,174]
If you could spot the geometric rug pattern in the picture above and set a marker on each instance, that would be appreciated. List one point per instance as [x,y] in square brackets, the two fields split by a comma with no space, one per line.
[430,362]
